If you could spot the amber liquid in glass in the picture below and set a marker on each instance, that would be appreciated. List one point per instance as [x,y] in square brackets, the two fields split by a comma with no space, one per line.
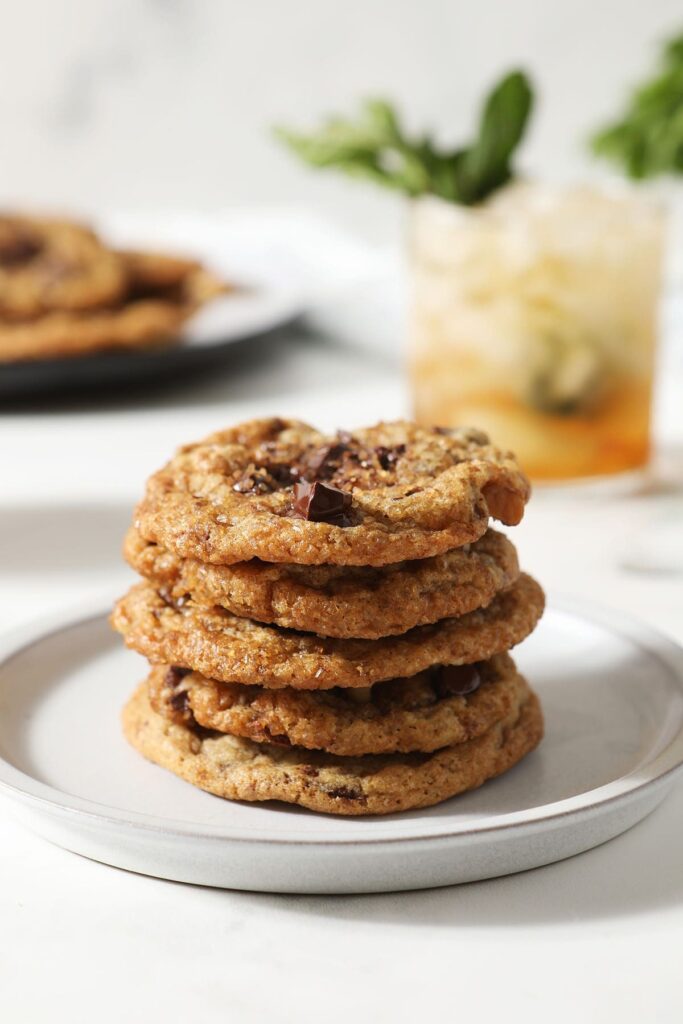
[534,318]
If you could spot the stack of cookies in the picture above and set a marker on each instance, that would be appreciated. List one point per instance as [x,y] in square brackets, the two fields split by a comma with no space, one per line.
[328,619]
[63,292]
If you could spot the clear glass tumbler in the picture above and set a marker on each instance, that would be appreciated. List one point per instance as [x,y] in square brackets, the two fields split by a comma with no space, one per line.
[534,317]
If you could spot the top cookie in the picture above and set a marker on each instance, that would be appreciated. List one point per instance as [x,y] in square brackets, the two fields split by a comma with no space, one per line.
[281,491]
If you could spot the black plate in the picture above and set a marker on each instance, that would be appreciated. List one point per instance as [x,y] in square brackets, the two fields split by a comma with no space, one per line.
[34,379]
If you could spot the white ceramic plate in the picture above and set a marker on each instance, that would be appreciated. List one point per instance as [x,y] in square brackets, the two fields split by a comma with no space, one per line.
[268,293]
[613,697]
[284,264]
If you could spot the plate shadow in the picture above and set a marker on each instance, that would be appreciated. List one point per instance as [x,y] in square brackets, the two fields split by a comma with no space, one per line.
[635,873]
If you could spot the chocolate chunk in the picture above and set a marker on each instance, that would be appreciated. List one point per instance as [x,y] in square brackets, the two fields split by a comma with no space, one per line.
[174,673]
[319,503]
[179,700]
[200,731]
[388,457]
[344,793]
[457,680]
[266,479]
[277,739]
[176,696]
[18,249]
[283,474]
[321,463]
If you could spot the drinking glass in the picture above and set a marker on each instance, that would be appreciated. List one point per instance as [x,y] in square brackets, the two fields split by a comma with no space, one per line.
[534,317]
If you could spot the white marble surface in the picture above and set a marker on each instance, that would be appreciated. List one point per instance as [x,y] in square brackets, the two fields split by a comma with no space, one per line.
[595,938]
[159,103]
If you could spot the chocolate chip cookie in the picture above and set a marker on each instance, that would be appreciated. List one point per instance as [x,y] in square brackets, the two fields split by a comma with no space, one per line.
[182,281]
[240,769]
[227,648]
[332,600]
[139,324]
[439,707]
[64,293]
[52,265]
[281,491]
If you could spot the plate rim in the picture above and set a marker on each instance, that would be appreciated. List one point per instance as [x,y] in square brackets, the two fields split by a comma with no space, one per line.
[24,788]
[284,309]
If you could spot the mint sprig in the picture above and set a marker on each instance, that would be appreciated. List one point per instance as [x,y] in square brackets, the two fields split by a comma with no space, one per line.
[375,146]
[647,140]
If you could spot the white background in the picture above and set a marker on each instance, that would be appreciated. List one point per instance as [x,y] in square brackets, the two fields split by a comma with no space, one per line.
[156,104]
[139,103]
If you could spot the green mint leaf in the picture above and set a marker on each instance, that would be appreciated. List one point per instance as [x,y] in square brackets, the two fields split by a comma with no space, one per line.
[381,119]
[486,164]
[647,139]
[374,146]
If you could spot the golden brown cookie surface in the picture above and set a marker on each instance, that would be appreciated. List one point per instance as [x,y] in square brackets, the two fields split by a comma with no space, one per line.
[230,649]
[64,293]
[51,265]
[179,280]
[340,601]
[437,708]
[137,325]
[239,769]
[281,491]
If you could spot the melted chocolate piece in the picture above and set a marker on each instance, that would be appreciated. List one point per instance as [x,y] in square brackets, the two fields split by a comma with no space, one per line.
[283,474]
[267,478]
[457,680]
[319,503]
[322,463]
[277,739]
[388,457]
[174,673]
[179,700]
[343,793]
